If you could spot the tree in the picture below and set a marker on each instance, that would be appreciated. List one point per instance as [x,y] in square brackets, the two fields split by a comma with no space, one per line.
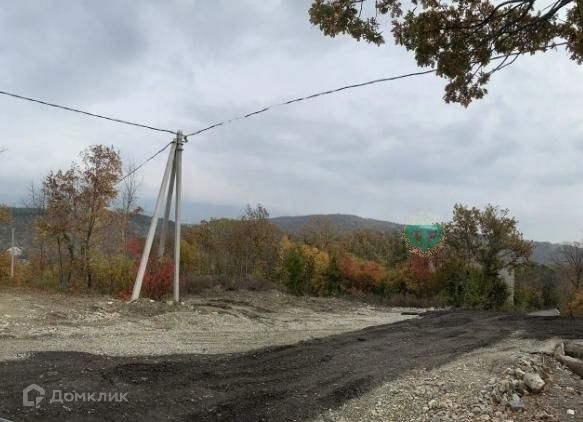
[460,38]
[37,200]
[260,237]
[99,177]
[77,208]
[569,257]
[536,286]
[386,248]
[488,240]
[569,261]
[295,271]
[59,221]
[236,248]
[128,203]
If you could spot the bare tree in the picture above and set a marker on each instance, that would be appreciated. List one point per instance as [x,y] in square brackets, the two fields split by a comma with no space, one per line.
[37,200]
[128,202]
[569,259]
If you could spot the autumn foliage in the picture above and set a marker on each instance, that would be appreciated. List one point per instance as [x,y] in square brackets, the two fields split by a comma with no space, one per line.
[575,307]
[158,280]
[360,275]
[84,241]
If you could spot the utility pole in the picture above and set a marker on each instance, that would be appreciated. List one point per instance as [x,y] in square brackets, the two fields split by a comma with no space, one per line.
[12,255]
[172,176]
[164,231]
[178,212]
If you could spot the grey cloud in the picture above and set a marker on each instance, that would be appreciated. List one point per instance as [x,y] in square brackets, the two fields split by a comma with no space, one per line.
[385,151]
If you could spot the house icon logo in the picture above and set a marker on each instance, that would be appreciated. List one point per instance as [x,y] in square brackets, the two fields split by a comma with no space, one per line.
[28,396]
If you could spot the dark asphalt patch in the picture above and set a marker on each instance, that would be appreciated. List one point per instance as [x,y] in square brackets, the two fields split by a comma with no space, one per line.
[294,382]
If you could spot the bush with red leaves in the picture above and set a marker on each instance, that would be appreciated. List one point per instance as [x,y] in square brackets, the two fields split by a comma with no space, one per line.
[158,280]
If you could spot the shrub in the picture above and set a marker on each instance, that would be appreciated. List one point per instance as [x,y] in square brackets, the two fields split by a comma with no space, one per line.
[158,280]
[528,297]
[295,273]
[484,292]
[574,308]
[360,275]
[333,277]
[400,280]
[317,263]
[112,274]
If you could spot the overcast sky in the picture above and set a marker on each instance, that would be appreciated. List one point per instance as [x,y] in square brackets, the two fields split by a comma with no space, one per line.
[387,151]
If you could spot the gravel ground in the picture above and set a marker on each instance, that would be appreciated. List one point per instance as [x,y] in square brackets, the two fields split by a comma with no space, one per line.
[305,380]
[463,390]
[216,322]
[268,356]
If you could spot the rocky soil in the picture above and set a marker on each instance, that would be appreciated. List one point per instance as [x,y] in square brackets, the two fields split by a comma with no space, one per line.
[268,356]
[516,380]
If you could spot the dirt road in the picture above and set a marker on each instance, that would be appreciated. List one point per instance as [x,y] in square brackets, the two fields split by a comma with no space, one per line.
[294,382]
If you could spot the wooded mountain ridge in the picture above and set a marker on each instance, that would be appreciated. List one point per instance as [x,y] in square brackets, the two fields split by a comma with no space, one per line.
[23,222]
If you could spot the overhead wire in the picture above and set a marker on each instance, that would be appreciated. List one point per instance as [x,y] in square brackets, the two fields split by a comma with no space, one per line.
[137,168]
[87,113]
[336,90]
[241,117]
[309,97]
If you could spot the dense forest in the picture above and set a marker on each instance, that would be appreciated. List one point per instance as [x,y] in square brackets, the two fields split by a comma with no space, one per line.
[87,233]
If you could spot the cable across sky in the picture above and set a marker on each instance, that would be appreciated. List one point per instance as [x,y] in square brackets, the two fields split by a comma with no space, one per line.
[309,97]
[135,169]
[87,113]
[343,88]
[234,119]
[253,113]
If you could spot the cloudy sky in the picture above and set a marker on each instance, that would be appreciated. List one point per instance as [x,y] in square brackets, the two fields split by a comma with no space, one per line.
[387,151]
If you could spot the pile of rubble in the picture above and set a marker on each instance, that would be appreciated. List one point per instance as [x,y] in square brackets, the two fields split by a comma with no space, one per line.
[514,381]
[504,398]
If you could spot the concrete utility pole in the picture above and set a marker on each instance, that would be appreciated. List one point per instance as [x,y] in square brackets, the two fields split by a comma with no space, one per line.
[164,231]
[177,218]
[172,175]
[12,255]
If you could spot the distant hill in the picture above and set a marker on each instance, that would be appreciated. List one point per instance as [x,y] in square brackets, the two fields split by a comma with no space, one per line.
[342,222]
[544,252]
[23,222]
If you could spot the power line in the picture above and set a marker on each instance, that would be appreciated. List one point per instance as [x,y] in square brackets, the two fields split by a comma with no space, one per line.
[112,119]
[135,169]
[343,88]
[318,94]
[309,97]
[245,116]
